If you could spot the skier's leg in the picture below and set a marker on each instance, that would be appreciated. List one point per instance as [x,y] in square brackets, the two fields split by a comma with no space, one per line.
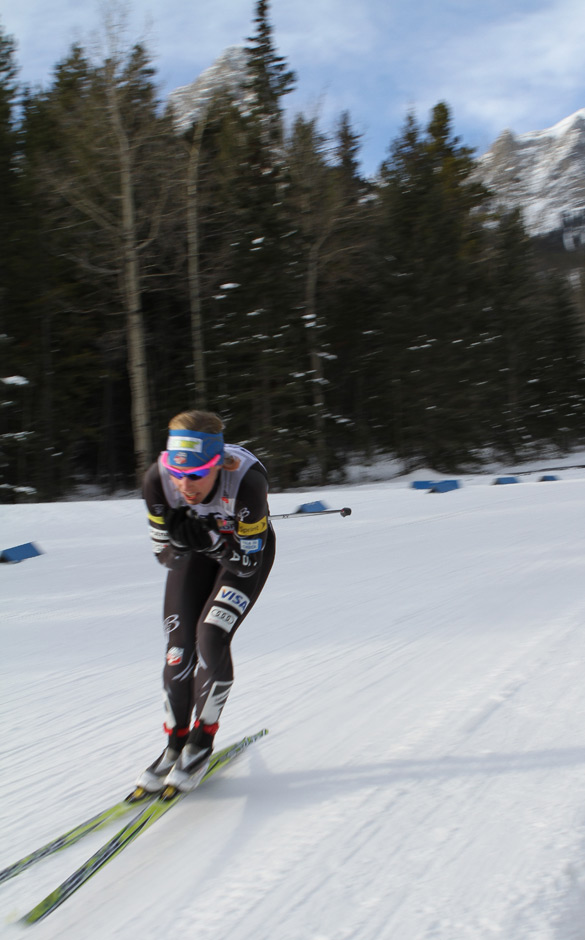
[186,593]
[187,590]
[230,601]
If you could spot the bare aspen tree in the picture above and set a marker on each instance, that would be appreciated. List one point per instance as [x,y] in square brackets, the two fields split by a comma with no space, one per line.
[193,157]
[191,107]
[322,211]
[130,272]
[108,139]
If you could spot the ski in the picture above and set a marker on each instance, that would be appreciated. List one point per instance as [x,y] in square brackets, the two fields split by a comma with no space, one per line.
[168,798]
[111,814]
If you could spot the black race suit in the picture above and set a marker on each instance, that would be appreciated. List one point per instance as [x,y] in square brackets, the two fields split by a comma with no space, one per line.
[207,597]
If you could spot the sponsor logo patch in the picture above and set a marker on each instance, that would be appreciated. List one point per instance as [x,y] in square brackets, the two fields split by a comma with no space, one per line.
[250,545]
[171,623]
[233,598]
[252,528]
[174,656]
[159,535]
[221,618]
[225,525]
[185,443]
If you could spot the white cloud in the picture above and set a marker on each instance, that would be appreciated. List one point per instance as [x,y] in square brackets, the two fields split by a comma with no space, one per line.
[504,63]
[341,32]
[519,72]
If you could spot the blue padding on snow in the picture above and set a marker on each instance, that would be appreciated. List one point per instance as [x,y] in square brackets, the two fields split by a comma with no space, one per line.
[422,484]
[20,552]
[501,480]
[548,477]
[444,486]
[317,506]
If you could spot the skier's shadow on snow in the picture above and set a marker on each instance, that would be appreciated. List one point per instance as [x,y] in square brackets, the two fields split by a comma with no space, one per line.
[267,793]
[313,785]
[318,783]
[261,787]
[447,767]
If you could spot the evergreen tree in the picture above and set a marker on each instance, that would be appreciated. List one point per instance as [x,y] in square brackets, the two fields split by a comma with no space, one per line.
[45,314]
[433,245]
[334,314]
[10,202]
[330,224]
[269,80]
[15,440]
[557,382]
[348,300]
[107,183]
[250,362]
[347,148]
[8,148]
[511,329]
[17,435]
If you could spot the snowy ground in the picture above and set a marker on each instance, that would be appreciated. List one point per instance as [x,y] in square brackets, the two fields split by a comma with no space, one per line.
[420,666]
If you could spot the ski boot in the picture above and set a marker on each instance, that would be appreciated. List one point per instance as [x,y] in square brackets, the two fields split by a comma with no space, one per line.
[153,779]
[193,761]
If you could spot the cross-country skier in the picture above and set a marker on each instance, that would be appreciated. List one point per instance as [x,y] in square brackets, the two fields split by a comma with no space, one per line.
[208,514]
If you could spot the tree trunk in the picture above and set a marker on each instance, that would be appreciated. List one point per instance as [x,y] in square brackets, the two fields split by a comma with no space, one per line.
[318,378]
[199,377]
[137,363]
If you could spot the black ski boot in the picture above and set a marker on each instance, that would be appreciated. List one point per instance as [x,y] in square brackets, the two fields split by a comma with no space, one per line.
[153,779]
[193,761]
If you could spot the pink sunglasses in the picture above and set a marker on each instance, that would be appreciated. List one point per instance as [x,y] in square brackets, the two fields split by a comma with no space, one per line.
[201,471]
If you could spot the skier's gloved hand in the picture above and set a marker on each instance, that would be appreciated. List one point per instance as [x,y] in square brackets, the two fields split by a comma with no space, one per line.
[189,531]
[172,556]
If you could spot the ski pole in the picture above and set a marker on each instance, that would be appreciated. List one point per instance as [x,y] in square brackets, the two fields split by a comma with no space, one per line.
[321,512]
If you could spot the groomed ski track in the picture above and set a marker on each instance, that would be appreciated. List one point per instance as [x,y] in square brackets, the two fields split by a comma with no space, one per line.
[420,666]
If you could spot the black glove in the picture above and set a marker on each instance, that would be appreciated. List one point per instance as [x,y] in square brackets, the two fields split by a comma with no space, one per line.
[189,531]
[172,556]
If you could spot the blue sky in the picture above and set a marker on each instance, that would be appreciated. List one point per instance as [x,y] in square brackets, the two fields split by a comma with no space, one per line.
[516,64]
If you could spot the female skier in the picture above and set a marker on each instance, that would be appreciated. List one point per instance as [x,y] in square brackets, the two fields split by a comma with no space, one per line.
[208,513]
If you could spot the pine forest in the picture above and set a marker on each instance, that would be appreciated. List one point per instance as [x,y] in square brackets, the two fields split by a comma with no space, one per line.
[238,261]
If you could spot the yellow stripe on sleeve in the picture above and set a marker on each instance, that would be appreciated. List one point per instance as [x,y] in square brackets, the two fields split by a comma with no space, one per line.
[252,528]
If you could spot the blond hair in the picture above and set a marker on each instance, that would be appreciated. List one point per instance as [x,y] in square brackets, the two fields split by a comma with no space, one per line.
[206,421]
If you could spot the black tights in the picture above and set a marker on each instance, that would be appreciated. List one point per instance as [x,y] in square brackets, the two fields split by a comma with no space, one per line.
[204,606]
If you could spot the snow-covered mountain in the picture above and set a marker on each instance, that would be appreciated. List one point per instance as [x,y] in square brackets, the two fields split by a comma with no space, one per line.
[227,74]
[543,173]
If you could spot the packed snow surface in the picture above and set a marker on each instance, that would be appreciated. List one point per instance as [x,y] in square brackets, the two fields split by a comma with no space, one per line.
[420,667]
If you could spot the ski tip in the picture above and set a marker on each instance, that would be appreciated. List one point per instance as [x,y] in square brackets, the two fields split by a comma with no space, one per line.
[346,511]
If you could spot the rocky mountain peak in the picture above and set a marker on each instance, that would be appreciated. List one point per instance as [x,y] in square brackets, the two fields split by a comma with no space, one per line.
[227,75]
[542,173]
